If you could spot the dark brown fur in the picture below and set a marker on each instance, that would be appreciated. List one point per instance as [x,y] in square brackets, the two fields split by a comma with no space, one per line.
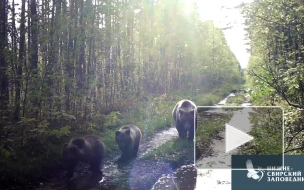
[185,118]
[128,139]
[88,149]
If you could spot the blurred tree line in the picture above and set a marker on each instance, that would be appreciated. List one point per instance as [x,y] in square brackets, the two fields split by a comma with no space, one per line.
[276,70]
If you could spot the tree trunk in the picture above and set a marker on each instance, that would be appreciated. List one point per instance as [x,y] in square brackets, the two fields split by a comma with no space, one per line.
[34,57]
[21,61]
[4,91]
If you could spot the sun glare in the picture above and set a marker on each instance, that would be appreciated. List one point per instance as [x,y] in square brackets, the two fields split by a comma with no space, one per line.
[209,10]
[225,15]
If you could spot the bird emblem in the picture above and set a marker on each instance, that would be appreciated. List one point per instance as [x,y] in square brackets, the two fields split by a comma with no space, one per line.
[252,173]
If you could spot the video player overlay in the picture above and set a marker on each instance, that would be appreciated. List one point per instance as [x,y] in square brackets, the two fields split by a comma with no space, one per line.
[237,131]
[266,172]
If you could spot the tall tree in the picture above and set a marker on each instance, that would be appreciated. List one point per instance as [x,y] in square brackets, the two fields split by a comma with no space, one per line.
[20,63]
[4,89]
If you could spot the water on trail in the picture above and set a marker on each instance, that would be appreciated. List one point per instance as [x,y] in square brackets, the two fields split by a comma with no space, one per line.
[223,101]
[217,177]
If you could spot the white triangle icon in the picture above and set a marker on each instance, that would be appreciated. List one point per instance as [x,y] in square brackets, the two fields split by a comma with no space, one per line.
[235,137]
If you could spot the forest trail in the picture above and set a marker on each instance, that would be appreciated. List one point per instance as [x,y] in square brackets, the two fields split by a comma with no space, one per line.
[111,172]
[148,144]
[136,169]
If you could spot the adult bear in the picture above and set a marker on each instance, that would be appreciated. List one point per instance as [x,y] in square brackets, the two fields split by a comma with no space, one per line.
[183,117]
[88,149]
[128,138]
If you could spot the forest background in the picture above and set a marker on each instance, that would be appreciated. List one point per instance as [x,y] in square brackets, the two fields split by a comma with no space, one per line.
[70,68]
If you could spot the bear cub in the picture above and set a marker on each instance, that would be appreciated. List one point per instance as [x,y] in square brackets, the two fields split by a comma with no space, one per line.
[88,149]
[128,139]
[185,118]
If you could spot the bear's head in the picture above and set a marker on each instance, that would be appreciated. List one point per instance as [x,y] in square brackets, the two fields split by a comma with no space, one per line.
[123,137]
[72,152]
[186,116]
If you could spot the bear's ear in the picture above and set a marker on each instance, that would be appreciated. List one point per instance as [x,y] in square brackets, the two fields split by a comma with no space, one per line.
[117,133]
[128,131]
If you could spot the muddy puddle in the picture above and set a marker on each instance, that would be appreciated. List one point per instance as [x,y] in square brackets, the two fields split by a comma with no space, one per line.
[211,174]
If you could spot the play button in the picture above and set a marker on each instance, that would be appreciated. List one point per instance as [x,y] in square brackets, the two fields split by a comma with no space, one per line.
[235,138]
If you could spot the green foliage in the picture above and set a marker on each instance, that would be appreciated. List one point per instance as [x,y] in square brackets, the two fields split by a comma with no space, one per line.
[154,114]
[30,161]
[63,116]
[108,138]
[267,131]
[208,99]
[275,70]
[64,131]
[112,119]
[4,152]
[238,99]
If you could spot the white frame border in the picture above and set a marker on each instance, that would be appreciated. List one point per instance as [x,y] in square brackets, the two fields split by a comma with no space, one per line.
[283,135]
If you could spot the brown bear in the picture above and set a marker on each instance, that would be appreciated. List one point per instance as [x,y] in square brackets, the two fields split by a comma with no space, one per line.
[88,149]
[128,138]
[185,118]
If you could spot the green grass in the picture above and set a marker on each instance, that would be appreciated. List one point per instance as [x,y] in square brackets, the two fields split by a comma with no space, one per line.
[238,99]
[208,126]
[167,151]
[208,99]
